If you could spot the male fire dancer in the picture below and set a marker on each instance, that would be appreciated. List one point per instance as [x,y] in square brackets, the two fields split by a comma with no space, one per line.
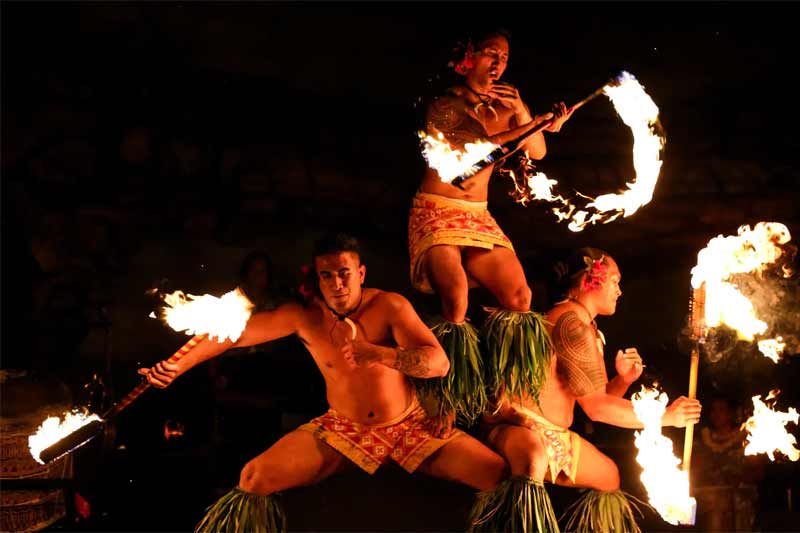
[455,243]
[534,436]
[367,343]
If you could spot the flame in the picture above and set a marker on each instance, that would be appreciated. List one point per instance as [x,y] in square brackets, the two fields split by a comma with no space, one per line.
[751,251]
[767,430]
[667,485]
[772,348]
[638,111]
[451,163]
[53,429]
[224,317]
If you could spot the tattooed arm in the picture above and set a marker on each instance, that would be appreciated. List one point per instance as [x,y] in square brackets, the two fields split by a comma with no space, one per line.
[580,365]
[417,354]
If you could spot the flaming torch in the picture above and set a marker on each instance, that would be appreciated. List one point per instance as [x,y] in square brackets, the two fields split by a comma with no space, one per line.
[667,485]
[750,252]
[767,430]
[204,316]
[697,305]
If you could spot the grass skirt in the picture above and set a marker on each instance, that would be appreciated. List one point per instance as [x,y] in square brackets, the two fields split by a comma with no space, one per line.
[519,503]
[243,512]
[519,350]
[462,391]
[603,512]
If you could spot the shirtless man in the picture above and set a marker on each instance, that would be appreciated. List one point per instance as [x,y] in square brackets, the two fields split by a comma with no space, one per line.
[367,343]
[454,242]
[534,438]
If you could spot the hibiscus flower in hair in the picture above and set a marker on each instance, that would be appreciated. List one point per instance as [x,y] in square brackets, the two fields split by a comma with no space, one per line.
[466,53]
[595,273]
[306,285]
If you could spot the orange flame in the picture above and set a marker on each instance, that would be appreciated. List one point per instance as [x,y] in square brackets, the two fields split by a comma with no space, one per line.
[450,163]
[767,430]
[223,317]
[667,485]
[53,429]
[749,252]
[638,111]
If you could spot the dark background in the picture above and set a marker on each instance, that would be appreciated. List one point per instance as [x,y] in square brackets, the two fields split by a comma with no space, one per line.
[155,144]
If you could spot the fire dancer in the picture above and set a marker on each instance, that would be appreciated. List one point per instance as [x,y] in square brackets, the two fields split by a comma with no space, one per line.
[454,241]
[367,343]
[534,437]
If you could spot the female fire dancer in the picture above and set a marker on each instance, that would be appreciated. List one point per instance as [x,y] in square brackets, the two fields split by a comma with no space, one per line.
[368,344]
[455,243]
[534,436]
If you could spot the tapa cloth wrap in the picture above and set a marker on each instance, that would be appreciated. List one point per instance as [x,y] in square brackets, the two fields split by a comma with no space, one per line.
[436,219]
[562,445]
[406,440]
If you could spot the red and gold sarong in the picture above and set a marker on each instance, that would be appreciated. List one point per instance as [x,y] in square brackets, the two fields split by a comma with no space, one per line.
[436,219]
[404,439]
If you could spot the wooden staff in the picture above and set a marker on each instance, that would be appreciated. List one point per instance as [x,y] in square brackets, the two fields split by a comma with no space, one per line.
[511,146]
[697,309]
[84,434]
[144,385]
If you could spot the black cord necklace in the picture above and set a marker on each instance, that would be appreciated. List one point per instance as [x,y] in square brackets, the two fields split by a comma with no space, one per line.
[484,101]
[344,317]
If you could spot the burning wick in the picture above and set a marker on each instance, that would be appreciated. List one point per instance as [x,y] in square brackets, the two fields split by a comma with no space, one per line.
[53,429]
[224,317]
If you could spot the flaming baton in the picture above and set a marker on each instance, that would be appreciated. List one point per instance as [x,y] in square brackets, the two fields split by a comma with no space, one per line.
[204,316]
[667,485]
[637,111]
[455,167]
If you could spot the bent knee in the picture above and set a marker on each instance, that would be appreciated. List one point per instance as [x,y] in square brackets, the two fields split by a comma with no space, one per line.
[256,479]
[454,306]
[610,482]
[517,299]
[495,472]
[527,456]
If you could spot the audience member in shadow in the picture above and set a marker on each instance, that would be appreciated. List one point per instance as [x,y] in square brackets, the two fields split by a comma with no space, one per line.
[725,480]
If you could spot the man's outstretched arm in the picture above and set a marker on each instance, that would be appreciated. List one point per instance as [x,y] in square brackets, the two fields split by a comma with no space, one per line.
[262,327]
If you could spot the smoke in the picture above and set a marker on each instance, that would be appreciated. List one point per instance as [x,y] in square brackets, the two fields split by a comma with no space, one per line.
[775,296]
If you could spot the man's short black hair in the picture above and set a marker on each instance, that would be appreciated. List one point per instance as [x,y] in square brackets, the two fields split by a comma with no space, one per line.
[483,34]
[334,243]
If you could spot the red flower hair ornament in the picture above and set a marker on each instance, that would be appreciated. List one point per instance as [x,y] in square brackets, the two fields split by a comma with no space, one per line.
[467,61]
[306,285]
[595,273]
